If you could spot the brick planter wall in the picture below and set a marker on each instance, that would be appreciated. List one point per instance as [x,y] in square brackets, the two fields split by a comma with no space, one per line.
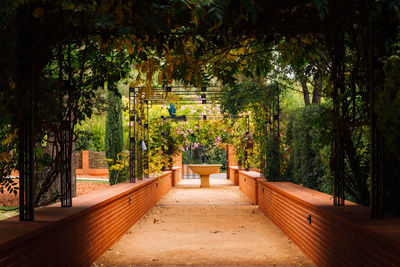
[77,236]
[336,236]
[248,184]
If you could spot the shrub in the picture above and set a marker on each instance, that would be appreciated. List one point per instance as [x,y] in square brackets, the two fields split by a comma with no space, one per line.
[114,139]
[309,160]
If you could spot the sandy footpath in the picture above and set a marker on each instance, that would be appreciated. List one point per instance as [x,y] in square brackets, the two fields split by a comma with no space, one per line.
[204,227]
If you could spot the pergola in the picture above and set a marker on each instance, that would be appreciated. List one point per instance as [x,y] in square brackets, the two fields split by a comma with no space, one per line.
[139,106]
[299,19]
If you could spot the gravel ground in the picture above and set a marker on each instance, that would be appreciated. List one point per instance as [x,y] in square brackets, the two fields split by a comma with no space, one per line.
[195,226]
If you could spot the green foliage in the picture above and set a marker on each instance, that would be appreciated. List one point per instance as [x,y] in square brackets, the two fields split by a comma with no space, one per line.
[273,154]
[7,212]
[90,134]
[388,105]
[309,158]
[8,159]
[114,133]
[388,111]
[79,45]
[256,99]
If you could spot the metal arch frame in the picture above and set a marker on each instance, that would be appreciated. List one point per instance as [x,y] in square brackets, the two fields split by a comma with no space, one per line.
[139,120]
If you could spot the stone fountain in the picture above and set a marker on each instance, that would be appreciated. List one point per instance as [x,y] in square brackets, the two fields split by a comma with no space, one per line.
[204,170]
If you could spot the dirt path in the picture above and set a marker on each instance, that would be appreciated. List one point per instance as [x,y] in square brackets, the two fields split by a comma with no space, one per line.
[204,227]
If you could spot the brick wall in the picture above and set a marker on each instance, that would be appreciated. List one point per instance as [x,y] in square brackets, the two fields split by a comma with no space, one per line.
[248,184]
[97,160]
[176,177]
[234,174]
[336,236]
[78,159]
[92,164]
[178,168]
[232,161]
[77,236]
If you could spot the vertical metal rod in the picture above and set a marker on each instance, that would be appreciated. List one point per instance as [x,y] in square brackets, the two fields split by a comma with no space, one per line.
[163,139]
[227,161]
[376,141]
[66,154]
[148,141]
[278,139]
[134,135]
[338,70]
[26,207]
[141,139]
[273,115]
[130,134]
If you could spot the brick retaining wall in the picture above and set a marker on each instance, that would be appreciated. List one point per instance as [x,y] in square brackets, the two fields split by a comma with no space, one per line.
[248,184]
[77,236]
[335,236]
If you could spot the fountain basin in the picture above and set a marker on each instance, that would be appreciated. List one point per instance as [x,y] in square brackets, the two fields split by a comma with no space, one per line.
[204,170]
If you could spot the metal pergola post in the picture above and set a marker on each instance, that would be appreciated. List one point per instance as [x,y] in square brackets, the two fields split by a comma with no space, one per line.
[132,134]
[26,207]
[66,168]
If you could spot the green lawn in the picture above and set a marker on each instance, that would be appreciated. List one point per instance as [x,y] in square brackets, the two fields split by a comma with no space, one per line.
[7,212]
[92,181]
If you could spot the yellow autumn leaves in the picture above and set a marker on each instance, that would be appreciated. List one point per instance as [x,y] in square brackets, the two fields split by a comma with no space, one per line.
[10,138]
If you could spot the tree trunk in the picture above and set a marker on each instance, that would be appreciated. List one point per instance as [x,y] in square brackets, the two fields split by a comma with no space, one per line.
[306,93]
[317,89]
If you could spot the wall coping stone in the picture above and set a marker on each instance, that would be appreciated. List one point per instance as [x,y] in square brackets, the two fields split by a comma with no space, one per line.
[14,232]
[251,174]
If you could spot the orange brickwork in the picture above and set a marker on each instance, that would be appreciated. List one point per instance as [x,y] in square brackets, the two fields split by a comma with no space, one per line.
[175,175]
[86,170]
[248,184]
[330,235]
[77,236]
[234,174]
[232,161]
[177,168]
